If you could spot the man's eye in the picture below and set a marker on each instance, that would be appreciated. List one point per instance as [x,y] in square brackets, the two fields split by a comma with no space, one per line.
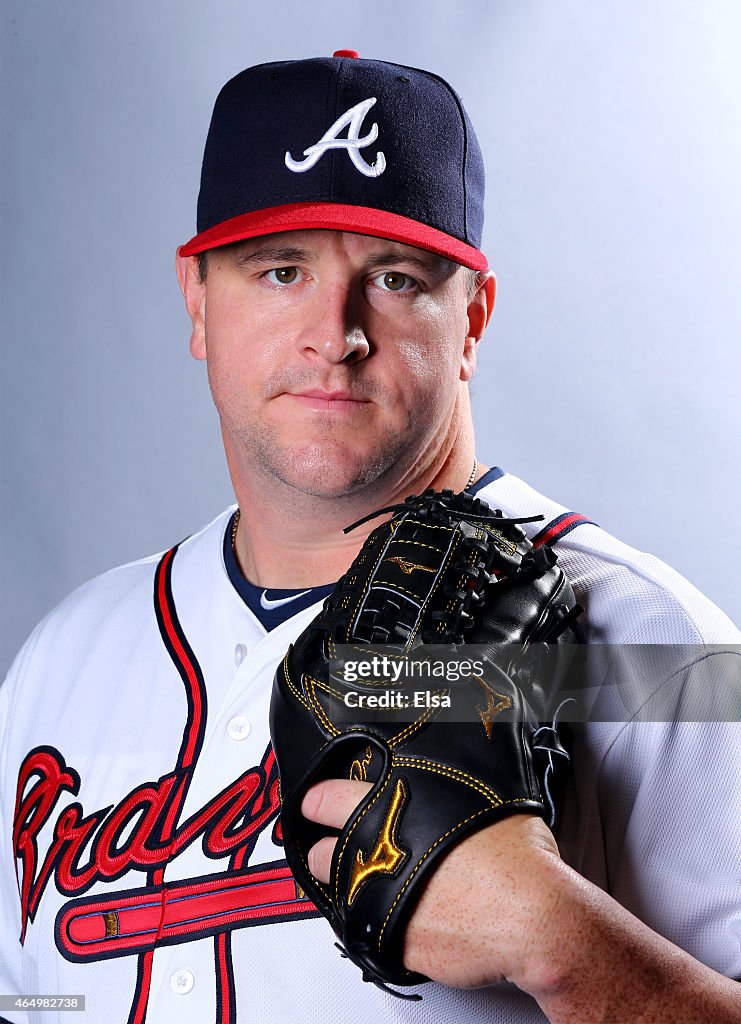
[282,275]
[394,281]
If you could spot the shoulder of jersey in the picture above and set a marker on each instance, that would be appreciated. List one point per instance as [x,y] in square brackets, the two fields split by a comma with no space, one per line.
[122,594]
[630,596]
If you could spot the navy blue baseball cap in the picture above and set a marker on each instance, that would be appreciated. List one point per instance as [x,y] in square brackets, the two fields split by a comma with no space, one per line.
[344,144]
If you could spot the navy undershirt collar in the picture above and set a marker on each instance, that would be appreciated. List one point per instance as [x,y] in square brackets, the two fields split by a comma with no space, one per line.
[281,603]
[284,603]
[488,478]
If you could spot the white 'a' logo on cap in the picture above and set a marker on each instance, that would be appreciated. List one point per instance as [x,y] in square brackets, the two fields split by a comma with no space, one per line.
[352,119]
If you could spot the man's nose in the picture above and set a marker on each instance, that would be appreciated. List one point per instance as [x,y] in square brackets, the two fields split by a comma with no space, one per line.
[333,329]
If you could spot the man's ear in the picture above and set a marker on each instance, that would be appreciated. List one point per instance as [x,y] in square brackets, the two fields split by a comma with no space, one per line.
[480,307]
[194,293]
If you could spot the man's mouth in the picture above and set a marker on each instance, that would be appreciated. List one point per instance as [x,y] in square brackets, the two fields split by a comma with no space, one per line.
[328,401]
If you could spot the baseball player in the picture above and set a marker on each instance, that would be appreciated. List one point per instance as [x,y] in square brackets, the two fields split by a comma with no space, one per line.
[338,295]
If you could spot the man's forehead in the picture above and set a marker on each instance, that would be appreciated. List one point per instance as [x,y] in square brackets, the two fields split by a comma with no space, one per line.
[314,242]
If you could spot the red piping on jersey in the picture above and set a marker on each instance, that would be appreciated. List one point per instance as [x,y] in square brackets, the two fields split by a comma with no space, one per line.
[163,574]
[144,980]
[193,679]
[559,527]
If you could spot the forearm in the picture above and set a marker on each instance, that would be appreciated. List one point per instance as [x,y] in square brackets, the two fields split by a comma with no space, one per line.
[595,963]
[503,906]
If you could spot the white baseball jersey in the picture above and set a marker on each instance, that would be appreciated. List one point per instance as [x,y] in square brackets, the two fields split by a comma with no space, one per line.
[141,863]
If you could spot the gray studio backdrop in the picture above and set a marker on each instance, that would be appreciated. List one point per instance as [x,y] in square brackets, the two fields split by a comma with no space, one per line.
[609,376]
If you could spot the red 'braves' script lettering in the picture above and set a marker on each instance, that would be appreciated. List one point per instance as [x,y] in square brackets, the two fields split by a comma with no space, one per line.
[88,848]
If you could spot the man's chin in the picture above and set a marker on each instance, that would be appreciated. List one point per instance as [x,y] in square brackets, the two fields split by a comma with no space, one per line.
[327,484]
[324,474]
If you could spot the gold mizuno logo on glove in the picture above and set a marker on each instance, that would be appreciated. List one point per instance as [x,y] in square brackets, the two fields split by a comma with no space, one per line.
[493,707]
[408,567]
[501,541]
[386,856]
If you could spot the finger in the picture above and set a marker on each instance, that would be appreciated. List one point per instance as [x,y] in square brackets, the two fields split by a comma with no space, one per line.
[320,858]
[333,801]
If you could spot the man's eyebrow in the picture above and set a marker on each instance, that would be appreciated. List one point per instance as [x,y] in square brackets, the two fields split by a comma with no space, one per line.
[428,263]
[283,255]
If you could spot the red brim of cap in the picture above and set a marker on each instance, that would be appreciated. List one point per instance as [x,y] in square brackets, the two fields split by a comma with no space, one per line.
[360,220]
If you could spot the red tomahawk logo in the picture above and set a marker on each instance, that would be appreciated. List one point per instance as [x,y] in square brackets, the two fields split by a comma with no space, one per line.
[137,920]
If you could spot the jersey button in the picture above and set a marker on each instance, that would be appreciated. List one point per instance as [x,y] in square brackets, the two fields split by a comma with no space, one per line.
[240,653]
[182,982]
[238,728]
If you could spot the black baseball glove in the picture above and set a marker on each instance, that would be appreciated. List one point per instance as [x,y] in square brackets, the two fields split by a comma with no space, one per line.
[447,570]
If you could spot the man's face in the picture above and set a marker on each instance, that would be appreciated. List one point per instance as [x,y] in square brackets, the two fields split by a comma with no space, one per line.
[334,359]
